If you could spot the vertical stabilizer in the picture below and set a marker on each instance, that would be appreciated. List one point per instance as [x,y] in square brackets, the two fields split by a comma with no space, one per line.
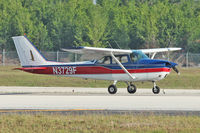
[27,52]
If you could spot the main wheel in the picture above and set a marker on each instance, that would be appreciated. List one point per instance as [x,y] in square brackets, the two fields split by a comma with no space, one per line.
[156,90]
[112,89]
[131,89]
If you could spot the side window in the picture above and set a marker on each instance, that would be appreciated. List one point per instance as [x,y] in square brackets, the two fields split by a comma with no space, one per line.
[124,59]
[121,58]
[113,61]
[104,60]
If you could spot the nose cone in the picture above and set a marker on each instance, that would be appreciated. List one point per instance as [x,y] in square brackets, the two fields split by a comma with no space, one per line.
[161,63]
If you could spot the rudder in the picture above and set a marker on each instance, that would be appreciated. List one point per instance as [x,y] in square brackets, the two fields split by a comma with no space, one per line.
[28,53]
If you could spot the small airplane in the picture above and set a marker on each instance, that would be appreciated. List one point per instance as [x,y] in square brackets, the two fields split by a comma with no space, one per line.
[115,65]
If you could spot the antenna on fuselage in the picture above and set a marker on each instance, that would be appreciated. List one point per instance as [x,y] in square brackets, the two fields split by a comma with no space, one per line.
[117,44]
[169,43]
[110,45]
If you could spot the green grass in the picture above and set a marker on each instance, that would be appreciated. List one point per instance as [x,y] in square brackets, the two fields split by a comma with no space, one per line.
[42,123]
[189,79]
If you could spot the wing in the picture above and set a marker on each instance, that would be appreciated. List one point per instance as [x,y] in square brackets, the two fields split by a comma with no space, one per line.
[94,50]
[156,50]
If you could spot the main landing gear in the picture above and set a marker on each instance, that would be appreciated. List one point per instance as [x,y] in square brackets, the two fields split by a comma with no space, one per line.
[112,89]
[131,88]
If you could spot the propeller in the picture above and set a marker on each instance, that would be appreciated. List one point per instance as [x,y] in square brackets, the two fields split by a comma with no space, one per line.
[173,66]
[176,70]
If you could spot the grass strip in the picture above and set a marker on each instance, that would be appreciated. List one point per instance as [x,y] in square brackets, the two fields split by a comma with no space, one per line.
[15,123]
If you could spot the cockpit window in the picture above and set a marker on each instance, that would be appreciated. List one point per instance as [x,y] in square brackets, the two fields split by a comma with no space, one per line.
[137,55]
[110,60]
[104,60]
[121,58]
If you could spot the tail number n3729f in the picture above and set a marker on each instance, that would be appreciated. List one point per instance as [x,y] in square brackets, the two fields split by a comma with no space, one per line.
[64,70]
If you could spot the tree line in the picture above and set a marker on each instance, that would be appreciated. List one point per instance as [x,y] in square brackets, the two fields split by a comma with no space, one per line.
[134,24]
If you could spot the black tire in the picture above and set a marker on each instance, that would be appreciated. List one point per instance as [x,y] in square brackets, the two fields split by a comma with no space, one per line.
[156,90]
[131,89]
[112,89]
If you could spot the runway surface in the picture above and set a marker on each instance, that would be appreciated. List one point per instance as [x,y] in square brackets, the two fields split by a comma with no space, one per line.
[70,98]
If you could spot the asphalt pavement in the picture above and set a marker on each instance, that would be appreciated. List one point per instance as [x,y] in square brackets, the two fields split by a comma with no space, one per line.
[97,99]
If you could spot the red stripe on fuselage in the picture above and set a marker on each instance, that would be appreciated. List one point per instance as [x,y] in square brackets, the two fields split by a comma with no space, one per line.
[72,70]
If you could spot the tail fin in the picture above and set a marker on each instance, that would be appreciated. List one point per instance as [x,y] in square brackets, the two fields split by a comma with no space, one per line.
[28,54]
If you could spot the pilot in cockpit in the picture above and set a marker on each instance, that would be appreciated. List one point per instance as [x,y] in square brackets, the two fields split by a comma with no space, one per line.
[133,57]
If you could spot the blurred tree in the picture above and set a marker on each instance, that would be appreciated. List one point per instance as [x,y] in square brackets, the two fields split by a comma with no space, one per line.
[52,24]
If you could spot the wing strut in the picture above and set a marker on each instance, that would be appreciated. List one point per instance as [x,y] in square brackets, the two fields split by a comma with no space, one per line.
[120,64]
[153,55]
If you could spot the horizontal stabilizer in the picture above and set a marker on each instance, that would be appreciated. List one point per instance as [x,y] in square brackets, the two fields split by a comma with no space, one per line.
[31,68]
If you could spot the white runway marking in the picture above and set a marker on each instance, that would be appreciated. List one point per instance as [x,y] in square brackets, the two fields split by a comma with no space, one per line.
[98,99]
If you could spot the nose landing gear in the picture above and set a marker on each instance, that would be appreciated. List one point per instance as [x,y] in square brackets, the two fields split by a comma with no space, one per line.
[155,89]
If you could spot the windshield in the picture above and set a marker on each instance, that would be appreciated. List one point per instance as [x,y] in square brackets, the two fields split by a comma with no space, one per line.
[138,55]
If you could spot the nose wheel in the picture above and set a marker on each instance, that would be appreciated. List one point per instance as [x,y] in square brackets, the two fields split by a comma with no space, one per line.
[155,89]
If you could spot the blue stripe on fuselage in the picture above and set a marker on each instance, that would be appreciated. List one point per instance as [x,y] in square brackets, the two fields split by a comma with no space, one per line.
[110,66]
[142,64]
